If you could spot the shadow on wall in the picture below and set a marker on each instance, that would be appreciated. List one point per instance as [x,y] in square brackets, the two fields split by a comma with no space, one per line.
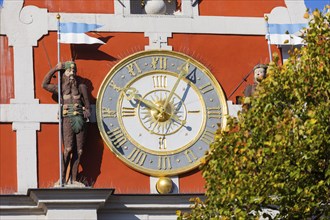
[92,156]
[93,150]
[90,51]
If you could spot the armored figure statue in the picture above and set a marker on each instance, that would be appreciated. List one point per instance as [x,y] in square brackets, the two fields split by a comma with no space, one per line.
[75,113]
[259,74]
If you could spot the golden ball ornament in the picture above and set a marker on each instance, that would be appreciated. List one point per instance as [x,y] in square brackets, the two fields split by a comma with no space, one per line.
[164,185]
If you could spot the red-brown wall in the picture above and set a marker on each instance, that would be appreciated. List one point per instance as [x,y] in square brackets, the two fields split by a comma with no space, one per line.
[8,174]
[74,6]
[241,8]
[229,57]
[6,71]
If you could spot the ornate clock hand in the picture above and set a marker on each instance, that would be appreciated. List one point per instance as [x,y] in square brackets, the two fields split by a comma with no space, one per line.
[147,102]
[153,128]
[183,71]
[131,93]
[177,119]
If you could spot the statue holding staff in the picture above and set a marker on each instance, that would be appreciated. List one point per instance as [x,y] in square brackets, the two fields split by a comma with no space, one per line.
[75,113]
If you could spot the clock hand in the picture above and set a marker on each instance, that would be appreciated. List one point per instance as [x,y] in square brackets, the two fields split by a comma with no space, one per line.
[152,130]
[177,119]
[183,71]
[147,102]
[131,93]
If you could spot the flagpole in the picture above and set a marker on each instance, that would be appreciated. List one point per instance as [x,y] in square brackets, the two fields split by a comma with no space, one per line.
[268,39]
[243,80]
[58,16]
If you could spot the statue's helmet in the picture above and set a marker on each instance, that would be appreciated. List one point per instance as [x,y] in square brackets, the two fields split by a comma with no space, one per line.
[70,65]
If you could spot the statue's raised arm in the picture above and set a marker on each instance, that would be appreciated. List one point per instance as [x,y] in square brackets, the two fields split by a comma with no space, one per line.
[46,81]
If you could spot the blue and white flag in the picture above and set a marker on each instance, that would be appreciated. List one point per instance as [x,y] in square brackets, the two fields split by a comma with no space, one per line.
[286,33]
[74,33]
[286,24]
[1,3]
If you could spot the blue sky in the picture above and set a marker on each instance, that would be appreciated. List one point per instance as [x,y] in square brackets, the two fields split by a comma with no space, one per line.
[313,4]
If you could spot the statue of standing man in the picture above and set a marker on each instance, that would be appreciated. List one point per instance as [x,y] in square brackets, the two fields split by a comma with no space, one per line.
[75,113]
[259,74]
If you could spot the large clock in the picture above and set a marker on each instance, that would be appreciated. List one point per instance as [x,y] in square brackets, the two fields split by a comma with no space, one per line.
[158,111]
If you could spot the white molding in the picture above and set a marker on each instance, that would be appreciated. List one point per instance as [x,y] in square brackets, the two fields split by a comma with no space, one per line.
[31,113]
[28,112]
[85,203]
[74,203]
[166,23]
[47,113]
[24,26]
[76,198]
[24,217]
[146,206]
[68,203]
[158,41]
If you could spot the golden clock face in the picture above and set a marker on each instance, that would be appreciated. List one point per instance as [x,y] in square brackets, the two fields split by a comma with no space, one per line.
[158,111]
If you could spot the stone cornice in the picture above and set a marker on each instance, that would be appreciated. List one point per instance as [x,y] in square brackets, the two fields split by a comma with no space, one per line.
[42,202]
[70,198]
[169,23]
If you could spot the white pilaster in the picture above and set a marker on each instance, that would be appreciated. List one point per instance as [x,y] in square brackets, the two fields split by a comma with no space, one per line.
[233,109]
[24,27]
[189,8]
[82,214]
[26,139]
[23,75]
[122,7]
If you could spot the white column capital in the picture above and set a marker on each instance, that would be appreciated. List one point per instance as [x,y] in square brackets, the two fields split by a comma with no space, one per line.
[23,26]
[26,126]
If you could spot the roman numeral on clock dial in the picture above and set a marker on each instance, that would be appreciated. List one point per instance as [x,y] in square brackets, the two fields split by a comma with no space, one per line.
[164,163]
[208,136]
[159,63]
[137,156]
[206,88]
[132,68]
[159,81]
[190,156]
[108,113]
[117,137]
[128,112]
[214,112]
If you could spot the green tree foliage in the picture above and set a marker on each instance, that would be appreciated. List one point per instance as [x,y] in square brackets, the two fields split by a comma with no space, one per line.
[277,152]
